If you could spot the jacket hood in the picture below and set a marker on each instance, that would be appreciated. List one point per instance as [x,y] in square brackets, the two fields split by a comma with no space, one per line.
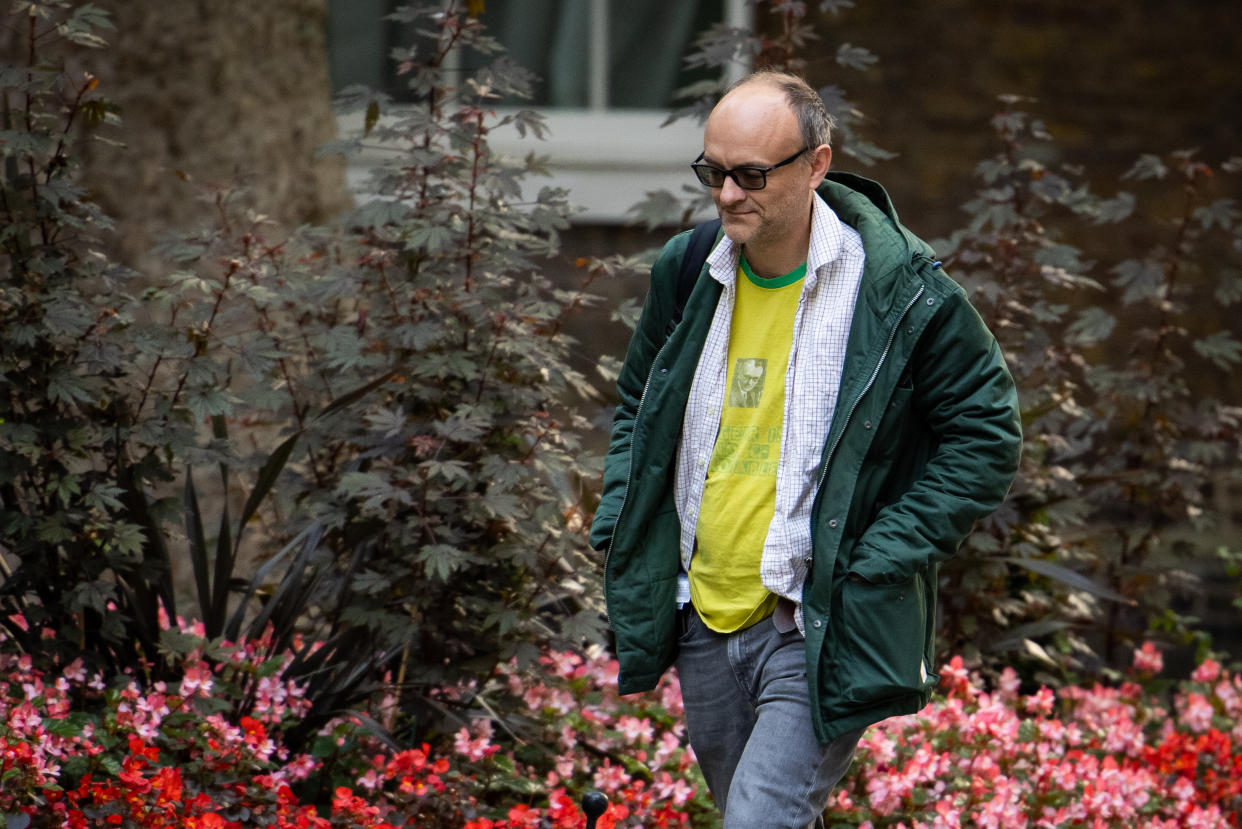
[864,205]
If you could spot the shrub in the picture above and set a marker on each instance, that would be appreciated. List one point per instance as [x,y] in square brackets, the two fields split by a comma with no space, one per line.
[1105,756]
[386,396]
[208,749]
[1126,434]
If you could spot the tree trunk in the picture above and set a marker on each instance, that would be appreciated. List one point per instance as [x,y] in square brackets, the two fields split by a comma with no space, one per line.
[219,92]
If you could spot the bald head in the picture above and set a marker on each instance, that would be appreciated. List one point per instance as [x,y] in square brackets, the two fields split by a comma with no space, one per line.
[814,122]
[753,118]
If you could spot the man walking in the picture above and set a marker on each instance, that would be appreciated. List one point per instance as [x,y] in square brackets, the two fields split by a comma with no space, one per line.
[788,466]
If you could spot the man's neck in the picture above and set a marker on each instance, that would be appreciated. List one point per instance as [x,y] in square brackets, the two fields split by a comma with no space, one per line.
[780,256]
[772,261]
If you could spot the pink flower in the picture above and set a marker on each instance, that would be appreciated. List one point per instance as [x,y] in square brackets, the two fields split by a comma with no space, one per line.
[25,718]
[1206,672]
[476,747]
[563,663]
[956,677]
[610,778]
[635,730]
[1210,818]
[885,792]
[301,766]
[371,780]
[665,787]
[75,671]
[1148,659]
[197,680]
[1008,684]
[1041,702]
[1197,715]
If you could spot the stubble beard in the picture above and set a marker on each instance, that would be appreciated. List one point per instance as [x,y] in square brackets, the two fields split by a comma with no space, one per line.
[760,227]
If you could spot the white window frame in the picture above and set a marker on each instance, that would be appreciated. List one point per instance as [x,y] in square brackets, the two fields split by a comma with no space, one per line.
[608,159]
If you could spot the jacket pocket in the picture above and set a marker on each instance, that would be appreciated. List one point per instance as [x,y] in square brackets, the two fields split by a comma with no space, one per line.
[884,633]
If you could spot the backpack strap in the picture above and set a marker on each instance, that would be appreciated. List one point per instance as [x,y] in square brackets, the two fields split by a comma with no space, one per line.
[702,240]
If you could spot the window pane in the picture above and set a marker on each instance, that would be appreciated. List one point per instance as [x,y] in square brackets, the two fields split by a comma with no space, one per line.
[649,38]
[646,40]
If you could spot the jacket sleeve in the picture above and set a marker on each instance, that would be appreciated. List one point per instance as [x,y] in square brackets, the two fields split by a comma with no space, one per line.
[649,336]
[966,396]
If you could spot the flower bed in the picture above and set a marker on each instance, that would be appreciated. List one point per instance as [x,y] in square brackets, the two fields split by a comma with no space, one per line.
[207,751]
[1090,757]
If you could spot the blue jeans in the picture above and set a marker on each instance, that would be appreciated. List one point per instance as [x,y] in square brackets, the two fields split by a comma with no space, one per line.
[748,714]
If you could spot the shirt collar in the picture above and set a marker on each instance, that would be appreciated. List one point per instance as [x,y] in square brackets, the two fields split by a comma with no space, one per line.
[827,237]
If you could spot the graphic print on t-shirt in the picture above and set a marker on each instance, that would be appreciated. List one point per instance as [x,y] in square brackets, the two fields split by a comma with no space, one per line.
[747,387]
[746,450]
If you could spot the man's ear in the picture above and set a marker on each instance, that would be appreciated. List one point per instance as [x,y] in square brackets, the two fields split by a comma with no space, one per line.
[821,160]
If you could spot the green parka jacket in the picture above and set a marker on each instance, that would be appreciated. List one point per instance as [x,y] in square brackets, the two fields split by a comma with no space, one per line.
[925,440]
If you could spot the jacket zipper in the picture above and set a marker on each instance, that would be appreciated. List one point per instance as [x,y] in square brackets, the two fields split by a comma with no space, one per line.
[823,473]
[629,474]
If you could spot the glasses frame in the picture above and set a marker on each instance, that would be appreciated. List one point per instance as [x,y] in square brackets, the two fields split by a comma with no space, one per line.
[702,170]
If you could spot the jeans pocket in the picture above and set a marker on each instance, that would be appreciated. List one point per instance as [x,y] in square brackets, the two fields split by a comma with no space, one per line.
[884,635]
[686,616]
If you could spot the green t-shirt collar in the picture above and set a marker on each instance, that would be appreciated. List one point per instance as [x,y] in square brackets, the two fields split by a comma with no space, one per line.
[775,282]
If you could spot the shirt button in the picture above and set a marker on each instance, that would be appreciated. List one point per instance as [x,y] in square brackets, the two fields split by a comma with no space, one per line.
[818,623]
[833,523]
[701,460]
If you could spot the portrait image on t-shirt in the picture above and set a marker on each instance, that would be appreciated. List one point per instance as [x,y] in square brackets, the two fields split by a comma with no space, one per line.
[747,386]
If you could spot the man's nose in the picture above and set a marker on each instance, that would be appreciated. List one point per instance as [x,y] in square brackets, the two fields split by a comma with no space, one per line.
[730,193]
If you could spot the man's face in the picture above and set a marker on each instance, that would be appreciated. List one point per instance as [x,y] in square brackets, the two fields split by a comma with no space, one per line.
[754,126]
[750,375]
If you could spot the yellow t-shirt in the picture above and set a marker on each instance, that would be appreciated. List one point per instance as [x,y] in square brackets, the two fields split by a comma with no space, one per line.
[739,497]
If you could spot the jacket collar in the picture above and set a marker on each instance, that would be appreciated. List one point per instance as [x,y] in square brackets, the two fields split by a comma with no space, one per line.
[891,249]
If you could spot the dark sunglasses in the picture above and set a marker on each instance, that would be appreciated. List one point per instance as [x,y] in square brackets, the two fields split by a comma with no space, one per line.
[748,178]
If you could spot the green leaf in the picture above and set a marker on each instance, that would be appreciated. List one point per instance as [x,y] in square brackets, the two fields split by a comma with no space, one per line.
[441,560]
[658,208]
[71,726]
[1229,287]
[1142,279]
[450,471]
[1220,347]
[1147,167]
[266,479]
[104,497]
[1222,213]
[289,585]
[431,238]
[1067,576]
[180,643]
[1093,325]
[198,550]
[110,764]
[66,387]
[1014,637]
[53,529]
[1111,211]
[128,539]
[354,396]
[855,57]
